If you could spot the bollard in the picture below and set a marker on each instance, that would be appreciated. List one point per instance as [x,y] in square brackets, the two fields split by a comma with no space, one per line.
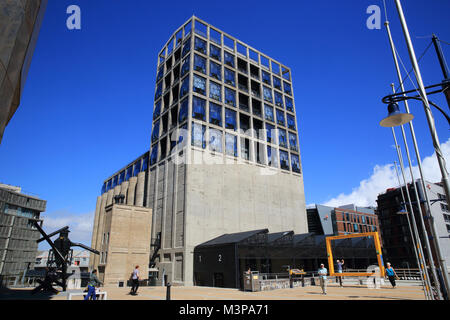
[168,291]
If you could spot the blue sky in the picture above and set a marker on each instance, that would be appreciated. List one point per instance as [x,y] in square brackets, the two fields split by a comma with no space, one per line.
[87,105]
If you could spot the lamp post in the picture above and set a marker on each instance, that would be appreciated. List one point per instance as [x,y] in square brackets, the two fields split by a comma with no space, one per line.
[417,250]
[436,144]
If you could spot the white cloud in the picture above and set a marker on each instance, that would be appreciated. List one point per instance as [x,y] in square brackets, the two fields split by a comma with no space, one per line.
[80,225]
[385,176]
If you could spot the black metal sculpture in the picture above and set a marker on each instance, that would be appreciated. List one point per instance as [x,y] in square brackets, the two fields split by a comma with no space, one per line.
[59,258]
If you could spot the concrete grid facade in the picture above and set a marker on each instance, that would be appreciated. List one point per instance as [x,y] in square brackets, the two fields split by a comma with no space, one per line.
[236,165]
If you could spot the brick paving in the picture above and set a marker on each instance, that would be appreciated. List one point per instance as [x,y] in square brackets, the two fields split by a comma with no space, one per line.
[334,292]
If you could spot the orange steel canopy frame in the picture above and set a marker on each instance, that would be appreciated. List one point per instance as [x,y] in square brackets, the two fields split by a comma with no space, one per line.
[376,239]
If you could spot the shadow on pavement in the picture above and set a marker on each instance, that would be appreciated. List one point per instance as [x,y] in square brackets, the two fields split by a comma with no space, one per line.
[23,294]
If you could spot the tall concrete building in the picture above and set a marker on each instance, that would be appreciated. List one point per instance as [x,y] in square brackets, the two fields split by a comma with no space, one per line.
[224,151]
[20,21]
[18,235]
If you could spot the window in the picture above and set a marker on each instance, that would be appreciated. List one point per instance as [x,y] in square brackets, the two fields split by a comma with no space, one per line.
[215,140]
[199,85]
[200,28]
[170,46]
[268,112]
[231,144]
[448,228]
[215,114]
[256,107]
[269,130]
[230,97]
[198,135]
[160,73]
[254,71]
[215,36]
[230,119]
[242,83]
[179,37]
[266,77]
[253,55]
[282,139]
[284,160]
[137,167]
[215,52]
[293,141]
[230,77]
[355,227]
[259,151]
[108,185]
[243,102]
[129,172]
[267,94]
[158,92]
[286,74]
[444,207]
[241,49]
[144,163]
[198,108]
[245,148]
[121,177]
[155,131]
[186,47]
[278,99]
[291,122]
[295,162]
[287,88]
[265,62]
[289,104]
[277,83]
[229,59]
[183,111]
[272,156]
[215,71]
[157,110]
[187,28]
[242,65]
[280,118]
[184,89]
[258,127]
[200,45]
[275,68]
[256,90]
[215,91]
[228,42]
[199,64]
[185,66]
[244,124]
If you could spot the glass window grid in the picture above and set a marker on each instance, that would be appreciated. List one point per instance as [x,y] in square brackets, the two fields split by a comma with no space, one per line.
[260,64]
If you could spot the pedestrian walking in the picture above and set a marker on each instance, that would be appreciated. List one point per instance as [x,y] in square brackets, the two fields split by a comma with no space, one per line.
[340,265]
[323,278]
[93,282]
[391,274]
[135,281]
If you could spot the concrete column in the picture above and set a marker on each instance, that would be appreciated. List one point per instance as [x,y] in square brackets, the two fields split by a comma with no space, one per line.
[139,201]
[110,195]
[131,191]
[124,189]
[94,230]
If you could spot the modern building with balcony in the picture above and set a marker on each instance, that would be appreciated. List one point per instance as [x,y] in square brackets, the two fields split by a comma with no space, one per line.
[224,149]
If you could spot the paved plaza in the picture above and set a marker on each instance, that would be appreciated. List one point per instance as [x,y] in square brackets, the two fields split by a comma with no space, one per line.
[404,291]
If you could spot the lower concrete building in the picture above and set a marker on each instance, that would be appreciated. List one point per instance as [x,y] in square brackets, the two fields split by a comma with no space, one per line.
[122,236]
[18,246]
